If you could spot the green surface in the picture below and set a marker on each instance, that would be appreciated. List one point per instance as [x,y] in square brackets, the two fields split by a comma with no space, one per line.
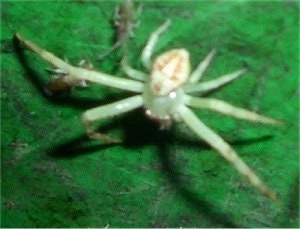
[53,176]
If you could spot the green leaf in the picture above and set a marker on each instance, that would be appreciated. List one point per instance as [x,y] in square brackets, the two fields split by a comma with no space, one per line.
[54,176]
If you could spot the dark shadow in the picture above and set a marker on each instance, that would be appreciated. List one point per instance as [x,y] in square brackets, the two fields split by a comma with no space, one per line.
[76,147]
[6,46]
[195,200]
[138,132]
[30,73]
[250,141]
[291,211]
[186,140]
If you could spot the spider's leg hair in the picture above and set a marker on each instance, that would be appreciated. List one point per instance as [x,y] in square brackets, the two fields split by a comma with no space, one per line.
[131,72]
[228,109]
[216,142]
[198,72]
[106,111]
[204,87]
[148,49]
[82,73]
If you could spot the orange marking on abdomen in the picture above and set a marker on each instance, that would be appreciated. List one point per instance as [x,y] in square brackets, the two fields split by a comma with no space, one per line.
[165,62]
[171,69]
[177,70]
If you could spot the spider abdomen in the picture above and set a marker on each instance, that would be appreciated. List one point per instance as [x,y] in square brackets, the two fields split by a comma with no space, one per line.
[170,70]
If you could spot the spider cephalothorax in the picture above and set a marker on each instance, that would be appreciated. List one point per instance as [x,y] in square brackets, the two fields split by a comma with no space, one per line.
[164,94]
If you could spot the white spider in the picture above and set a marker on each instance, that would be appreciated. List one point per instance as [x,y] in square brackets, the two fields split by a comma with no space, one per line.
[164,96]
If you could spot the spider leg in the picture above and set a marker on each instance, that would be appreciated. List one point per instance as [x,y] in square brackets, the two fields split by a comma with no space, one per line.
[148,49]
[131,72]
[213,84]
[77,73]
[198,72]
[216,142]
[228,109]
[106,111]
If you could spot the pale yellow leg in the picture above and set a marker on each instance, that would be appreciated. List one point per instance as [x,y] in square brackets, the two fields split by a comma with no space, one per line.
[228,109]
[148,50]
[207,86]
[78,73]
[198,72]
[224,149]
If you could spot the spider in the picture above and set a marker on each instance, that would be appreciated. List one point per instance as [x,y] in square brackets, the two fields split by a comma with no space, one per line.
[164,95]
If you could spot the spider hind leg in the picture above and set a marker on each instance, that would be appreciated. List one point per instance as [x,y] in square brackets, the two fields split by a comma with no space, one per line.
[92,134]
[224,149]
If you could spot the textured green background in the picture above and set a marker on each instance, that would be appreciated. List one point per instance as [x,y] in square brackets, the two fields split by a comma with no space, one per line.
[53,176]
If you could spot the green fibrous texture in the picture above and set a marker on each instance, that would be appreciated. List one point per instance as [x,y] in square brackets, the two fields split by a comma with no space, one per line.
[52,175]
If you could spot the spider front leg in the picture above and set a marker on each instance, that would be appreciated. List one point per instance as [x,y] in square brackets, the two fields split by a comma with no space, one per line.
[131,72]
[109,110]
[216,142]
[148,49]
[77,73]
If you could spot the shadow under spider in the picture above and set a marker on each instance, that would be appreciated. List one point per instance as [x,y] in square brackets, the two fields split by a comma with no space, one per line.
[205,208]
[292,209]
[140,132]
